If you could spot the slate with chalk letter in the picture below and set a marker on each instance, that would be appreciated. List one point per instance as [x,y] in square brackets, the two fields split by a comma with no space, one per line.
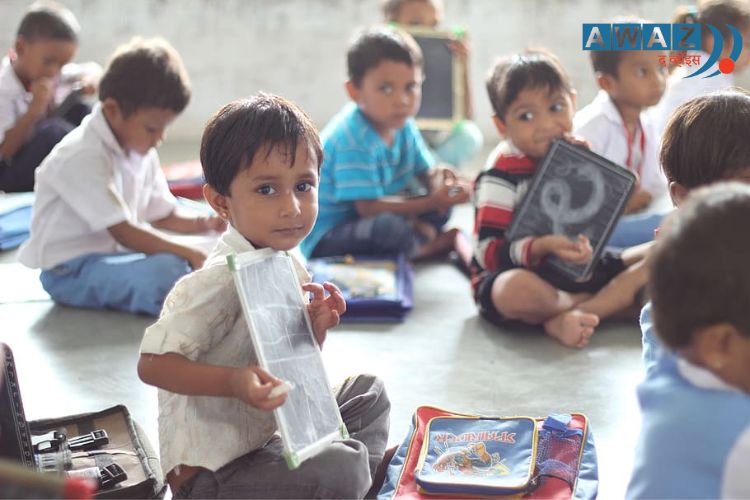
[276,312]
[574,191]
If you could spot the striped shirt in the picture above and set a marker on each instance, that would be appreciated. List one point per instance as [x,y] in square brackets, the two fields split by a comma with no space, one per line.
[497,191]
[358,165]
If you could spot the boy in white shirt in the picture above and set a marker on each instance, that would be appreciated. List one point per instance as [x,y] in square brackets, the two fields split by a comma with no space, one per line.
[101,190]
[34,79]
[617,127]
[261,159]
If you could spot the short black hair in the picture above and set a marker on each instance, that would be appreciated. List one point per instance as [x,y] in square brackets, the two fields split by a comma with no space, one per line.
[531,69]
[700,272]
[702,142]
[48,21]
[146,74]
[243,128]
[606,61]
[374,45]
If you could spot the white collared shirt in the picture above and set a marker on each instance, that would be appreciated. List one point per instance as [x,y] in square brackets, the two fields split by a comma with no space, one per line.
[680,90]
[87,184]
[14,99]
[202,320]
[734,481]
[601,124]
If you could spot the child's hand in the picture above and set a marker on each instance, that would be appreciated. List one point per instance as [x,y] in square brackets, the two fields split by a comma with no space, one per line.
[252,385]
[325,312]
[575,252]
[195,257]
[576,141]
[205,223]
[461,48]
[41,91]
[638,201]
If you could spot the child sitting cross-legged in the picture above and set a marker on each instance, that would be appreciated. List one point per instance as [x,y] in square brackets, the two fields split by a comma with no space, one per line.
[534,104]
[101,193]
[695,403]
[217,432]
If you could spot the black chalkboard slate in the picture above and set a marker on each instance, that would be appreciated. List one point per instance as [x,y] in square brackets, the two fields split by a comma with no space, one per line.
[443,87]
[573,191]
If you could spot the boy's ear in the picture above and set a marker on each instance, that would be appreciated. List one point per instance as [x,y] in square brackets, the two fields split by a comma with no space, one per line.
[574,98]
[19,45]
[712,346]
[111,109]
[677,192]
[217,201]
[352,90]
[499,124]
[605,81]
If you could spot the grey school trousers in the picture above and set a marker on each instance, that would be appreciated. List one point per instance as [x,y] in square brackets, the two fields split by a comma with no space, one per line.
[343,470]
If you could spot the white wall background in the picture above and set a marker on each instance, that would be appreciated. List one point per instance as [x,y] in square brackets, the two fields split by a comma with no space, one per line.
[296,48]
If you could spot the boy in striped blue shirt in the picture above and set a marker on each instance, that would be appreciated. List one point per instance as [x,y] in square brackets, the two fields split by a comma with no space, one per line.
[380,190]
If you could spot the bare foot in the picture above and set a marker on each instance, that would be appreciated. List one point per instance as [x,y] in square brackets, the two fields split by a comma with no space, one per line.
[572,328]
[440,246]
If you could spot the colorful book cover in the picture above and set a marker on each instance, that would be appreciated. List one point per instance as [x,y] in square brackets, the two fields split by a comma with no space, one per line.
[477,456]
[376,289]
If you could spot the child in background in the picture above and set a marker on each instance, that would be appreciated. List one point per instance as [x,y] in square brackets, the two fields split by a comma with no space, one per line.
[101,190]
[702,144]
[617,127]
[465,139]
[376,162]
[33,82]
[534,104]
[261,158]
[695,435]
[719,14]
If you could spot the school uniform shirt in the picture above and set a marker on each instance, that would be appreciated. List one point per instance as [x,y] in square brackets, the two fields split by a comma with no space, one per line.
[695,435]
[601,124]
[680,89]
[358,165]
[86,184]
[497,191]
[15,99]
[202,320]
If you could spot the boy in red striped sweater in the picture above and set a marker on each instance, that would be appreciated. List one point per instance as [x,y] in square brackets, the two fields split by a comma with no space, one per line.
[534,104]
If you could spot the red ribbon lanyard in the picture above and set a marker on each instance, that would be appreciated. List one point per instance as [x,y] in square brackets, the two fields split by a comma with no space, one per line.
[630,148]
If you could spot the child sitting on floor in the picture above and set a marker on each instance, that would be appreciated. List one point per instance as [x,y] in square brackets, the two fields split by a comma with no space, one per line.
[376,163]
[695,435]
[261,159]
[34,81]
[701,146]
[534,104]
[617,127]
[101,191]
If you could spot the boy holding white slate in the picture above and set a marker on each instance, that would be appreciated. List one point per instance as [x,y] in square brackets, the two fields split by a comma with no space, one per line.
[512,278]
[217,432]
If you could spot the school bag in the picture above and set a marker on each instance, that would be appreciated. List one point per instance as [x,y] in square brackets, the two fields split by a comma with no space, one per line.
[459,455]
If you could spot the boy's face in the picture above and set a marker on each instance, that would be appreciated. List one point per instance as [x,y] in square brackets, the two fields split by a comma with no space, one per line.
[272,204]
[640,80]
[425,13]
[536,118]
[42,58]
[141,130]
[388,94]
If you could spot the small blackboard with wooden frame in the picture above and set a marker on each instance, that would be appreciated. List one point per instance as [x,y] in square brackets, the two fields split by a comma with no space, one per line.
[443,86]
[574,191]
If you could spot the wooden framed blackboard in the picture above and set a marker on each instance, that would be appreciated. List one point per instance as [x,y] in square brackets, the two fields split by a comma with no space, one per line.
[574,191]
[443,86]
[276,313]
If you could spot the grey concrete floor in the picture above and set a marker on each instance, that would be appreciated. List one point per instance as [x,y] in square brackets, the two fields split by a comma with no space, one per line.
[72,361]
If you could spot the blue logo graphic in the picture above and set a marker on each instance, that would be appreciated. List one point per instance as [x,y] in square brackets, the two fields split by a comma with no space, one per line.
[664,36]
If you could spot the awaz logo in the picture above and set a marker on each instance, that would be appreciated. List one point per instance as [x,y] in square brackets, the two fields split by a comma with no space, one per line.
[677,37]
